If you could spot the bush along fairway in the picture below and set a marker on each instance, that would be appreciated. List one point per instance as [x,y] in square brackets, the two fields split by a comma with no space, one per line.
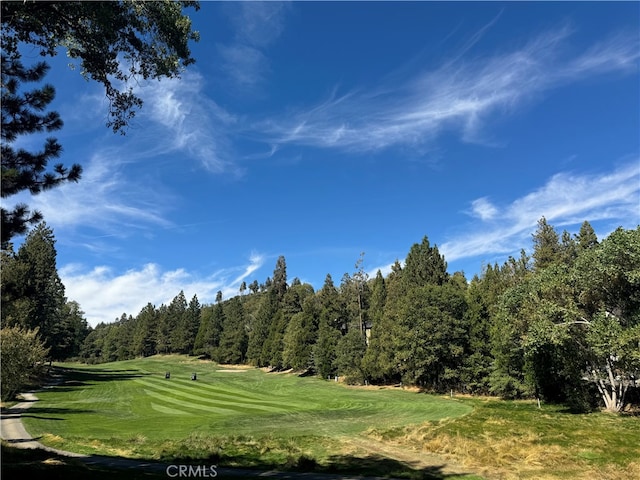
[231,416]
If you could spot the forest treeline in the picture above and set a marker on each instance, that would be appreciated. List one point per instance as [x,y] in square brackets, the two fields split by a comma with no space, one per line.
[562,324]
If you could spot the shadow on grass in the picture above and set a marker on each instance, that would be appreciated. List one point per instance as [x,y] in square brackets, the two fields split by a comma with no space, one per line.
[66,378]
[333,467]
[381,466]
[39,464]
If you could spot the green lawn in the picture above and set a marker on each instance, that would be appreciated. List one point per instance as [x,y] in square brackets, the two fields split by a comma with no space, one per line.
[233,416]
[246,417]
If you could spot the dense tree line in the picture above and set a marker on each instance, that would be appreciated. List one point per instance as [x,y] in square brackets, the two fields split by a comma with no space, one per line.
[562,324]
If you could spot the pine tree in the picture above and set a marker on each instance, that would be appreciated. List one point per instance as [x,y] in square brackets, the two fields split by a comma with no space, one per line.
[348,357]
[586,238]
[32,293]
[279,283]
[546,245]
[192,323]
[431,340]
[69,335]
[22,170]
[260,328]
[233,339]
[176,312]
[300,337]
[324,351]
[145,334]
[164,331]
[424,265]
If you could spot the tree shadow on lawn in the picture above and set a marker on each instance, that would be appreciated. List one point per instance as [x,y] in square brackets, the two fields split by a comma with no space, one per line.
[337,465]
[40,464]
[37,412]
[67,378]
[376,465]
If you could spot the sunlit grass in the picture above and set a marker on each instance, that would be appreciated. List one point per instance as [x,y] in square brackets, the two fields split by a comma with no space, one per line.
[516,440]
[249,418]
[232,417]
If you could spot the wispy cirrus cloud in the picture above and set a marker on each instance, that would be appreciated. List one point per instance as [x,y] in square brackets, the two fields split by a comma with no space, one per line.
[460,95]
[483,209]
[257,25]
[566,199]
[105,199]
[183,118]
[105,294]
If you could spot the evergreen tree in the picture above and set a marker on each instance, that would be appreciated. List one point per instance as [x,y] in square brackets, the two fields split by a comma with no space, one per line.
[192,323]
[23,170]
[424,265]
[145,333]
[378,298]
[431,336]
[177,324]
[32,292]
[279,283]
[355,293]
[260,328]
[586,238]
[274,344]
[164,330]
[300,337]
[380,363]
[477,361]
[324,351]
[69,335]
[123,338]
[348,357]
[233,339]
[568,248]
[93,345]
[331,307]
[375,355]
[546,245]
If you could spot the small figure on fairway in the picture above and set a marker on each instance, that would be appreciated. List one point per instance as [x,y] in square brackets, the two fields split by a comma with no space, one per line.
[193,376]
[167,375]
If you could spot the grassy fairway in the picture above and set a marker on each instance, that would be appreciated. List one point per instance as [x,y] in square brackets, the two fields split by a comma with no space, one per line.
[246,417]
[234,416]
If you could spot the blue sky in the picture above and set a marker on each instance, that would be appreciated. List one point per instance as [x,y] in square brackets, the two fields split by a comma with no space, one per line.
[322,130]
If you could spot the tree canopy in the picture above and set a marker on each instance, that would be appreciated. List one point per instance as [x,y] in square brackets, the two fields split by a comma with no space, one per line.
[113,42]
[116,44]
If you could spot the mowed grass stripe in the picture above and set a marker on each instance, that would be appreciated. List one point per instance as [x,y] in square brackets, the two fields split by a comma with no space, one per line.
[181,403]
[169,410]
[228,405]
[221,394]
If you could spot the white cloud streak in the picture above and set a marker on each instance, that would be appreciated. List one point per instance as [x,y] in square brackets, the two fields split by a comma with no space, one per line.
[105,295]
[483,209]
[104,199]
[188,121]
[459,96]
[566,199]
[257,25]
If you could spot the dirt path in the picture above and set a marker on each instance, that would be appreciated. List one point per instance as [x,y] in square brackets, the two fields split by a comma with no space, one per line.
[414,459]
